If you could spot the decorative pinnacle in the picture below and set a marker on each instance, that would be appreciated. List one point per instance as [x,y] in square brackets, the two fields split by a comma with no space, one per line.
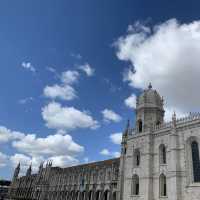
[150,86]
[128,124]
[127,128]
[174,115]
[174,119]
[18,166]
[30,167]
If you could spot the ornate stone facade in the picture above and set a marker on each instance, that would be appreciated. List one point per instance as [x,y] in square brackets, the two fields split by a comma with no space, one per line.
[89,181]
[158,161]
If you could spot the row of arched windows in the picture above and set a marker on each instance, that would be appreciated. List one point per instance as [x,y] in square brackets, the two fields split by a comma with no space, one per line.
[195,159]
[162,155]
[194,146]
[135,186]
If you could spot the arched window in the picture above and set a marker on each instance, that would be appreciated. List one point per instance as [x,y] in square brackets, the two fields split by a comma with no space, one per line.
[135,187]
[124,150]
[140,125]
[162,154]
[136,158]
[77,195]
[158,123]
[195,161]
[163,185]
[106,195]
[97,195]
[114,196]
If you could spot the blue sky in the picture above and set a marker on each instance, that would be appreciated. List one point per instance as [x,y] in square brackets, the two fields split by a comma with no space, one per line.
[43,42]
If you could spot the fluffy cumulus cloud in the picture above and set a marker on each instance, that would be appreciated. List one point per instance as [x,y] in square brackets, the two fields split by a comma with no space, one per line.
[8,135]
[51,145]
[28,66]
[67,118]
[116,138]
[64,90]
[87,69]
[25,161]
[131,101]
[64,161]
[168,56]
[106,152]
[69,77]
[110,115]
[59,147]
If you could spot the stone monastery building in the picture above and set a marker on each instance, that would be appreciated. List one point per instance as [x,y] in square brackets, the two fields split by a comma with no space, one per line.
[159,161]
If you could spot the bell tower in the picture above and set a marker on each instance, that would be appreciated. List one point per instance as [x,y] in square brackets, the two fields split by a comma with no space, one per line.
[149,110]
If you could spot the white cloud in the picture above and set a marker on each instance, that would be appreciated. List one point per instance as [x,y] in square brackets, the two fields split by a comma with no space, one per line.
[28,66]
[77,56]
[64,161]
[51,69]
[3,160]
[69,77]
[116,138]
[170,110]
[8,135]
[52,145]
[87,69]
[116,154]
[26,100]
[65,92]
[110,115]
[59,147]
[168,56]
[67,118]
[25,162]
[106,152]
[131,101]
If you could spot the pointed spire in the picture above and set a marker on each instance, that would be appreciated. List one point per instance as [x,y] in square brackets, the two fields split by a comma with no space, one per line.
[127,128]
[174,119]
[150,86]
[128,124]
[18,166]
[174,115]
[29,170]
[41,166]
[17,170]
[47,163]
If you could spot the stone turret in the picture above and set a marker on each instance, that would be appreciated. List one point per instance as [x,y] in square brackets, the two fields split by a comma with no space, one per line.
[149,109]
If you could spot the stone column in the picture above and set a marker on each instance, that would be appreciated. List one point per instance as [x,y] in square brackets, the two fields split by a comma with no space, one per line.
[173,176]
[146,181]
